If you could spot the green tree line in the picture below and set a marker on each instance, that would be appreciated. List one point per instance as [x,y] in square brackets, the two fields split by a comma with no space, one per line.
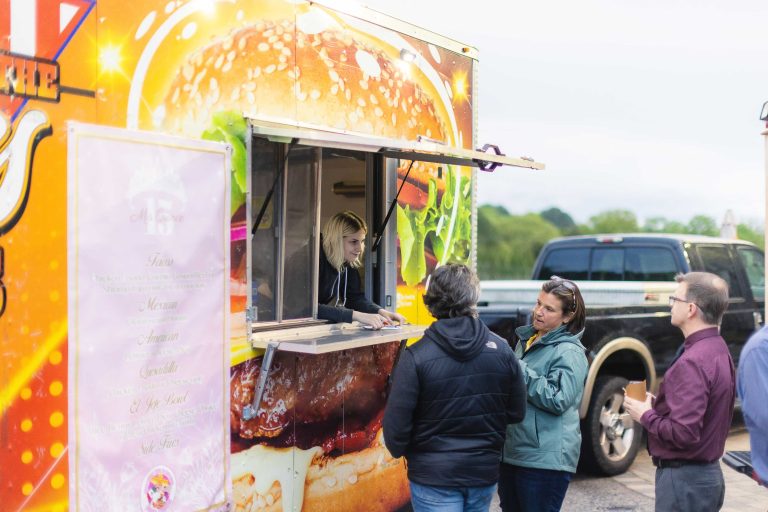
[508,244]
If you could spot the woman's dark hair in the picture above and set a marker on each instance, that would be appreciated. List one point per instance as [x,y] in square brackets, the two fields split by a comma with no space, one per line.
[453,291]
[571,300]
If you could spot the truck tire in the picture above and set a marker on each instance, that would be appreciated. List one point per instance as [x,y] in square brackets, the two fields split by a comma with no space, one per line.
[610,438]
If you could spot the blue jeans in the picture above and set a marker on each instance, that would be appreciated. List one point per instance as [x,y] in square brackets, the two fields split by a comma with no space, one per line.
[427,498]
[532,490]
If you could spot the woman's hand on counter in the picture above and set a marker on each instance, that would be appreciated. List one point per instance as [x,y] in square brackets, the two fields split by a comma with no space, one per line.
[393,317]
[374,320]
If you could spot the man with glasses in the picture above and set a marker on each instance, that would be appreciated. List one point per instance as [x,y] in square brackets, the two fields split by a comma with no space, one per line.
[688,421]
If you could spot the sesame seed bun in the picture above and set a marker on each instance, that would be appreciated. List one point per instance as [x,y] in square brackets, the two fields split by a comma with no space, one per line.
[273,69]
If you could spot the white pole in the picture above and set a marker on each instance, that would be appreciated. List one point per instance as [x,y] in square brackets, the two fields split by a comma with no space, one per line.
[728,227]
[765,220]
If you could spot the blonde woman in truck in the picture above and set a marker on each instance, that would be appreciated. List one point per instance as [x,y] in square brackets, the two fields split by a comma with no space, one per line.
[340,294]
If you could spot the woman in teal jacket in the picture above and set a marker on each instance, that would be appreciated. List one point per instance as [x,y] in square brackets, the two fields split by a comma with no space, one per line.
[541,453]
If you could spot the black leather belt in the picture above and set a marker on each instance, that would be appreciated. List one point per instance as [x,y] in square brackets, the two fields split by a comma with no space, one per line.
[677,463]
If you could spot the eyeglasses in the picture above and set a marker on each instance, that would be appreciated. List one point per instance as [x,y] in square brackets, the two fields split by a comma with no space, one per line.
[568,285]
[673,299]
[563,282]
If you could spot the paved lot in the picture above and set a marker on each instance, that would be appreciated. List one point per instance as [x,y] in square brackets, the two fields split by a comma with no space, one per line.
[634,490]
[741,493]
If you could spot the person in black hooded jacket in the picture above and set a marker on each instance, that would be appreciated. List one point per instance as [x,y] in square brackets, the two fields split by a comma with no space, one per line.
[453,394]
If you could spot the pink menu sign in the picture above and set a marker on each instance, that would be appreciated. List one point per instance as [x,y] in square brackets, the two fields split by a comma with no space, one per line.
[148,252]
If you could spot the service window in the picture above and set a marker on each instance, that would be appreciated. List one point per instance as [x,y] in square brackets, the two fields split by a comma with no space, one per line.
[299,177]
[567,263]
[295,190]
[717,259]
[607,265]
[754,265]
[649,264]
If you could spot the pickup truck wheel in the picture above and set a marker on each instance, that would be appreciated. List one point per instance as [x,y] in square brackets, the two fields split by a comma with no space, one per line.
[610,438]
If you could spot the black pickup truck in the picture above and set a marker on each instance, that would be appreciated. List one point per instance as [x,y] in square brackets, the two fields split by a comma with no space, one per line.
[626,280]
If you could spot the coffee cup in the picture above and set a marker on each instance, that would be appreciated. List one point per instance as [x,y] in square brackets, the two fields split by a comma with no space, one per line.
[636,389]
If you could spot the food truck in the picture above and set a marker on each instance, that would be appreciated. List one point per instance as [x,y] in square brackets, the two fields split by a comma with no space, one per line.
[165,171]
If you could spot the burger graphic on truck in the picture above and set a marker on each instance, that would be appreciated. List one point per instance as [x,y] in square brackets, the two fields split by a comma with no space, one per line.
[316,67]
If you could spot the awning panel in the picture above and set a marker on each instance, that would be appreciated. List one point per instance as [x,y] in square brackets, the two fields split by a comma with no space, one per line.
[422,150]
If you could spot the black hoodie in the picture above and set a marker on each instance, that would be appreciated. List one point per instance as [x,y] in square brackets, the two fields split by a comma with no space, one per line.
[342,288]
[453,394]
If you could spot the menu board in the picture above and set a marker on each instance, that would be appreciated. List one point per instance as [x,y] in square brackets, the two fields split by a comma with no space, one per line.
[148,302]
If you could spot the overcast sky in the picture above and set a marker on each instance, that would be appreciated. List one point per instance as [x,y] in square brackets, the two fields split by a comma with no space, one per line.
[650,106]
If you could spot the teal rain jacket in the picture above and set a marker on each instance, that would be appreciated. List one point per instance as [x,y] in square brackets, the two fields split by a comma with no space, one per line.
[555,370]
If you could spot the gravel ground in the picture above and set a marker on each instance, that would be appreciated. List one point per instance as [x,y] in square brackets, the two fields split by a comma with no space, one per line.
[604,494]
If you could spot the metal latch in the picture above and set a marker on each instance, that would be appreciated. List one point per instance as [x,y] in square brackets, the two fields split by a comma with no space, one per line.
[251,411]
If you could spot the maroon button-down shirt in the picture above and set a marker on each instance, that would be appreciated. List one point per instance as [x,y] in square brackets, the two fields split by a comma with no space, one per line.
[693,410]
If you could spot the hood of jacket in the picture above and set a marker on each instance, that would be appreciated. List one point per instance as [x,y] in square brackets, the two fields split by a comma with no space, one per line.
[462,338]
[559,335]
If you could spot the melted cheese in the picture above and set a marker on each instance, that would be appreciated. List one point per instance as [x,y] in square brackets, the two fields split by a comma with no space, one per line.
[268,465]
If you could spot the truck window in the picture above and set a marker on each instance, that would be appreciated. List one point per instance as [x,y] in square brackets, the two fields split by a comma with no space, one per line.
[568,263]
[754,265]
[649,264]
[607,265]
[300,263]
[283,245]
[716,259]
[264,254]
